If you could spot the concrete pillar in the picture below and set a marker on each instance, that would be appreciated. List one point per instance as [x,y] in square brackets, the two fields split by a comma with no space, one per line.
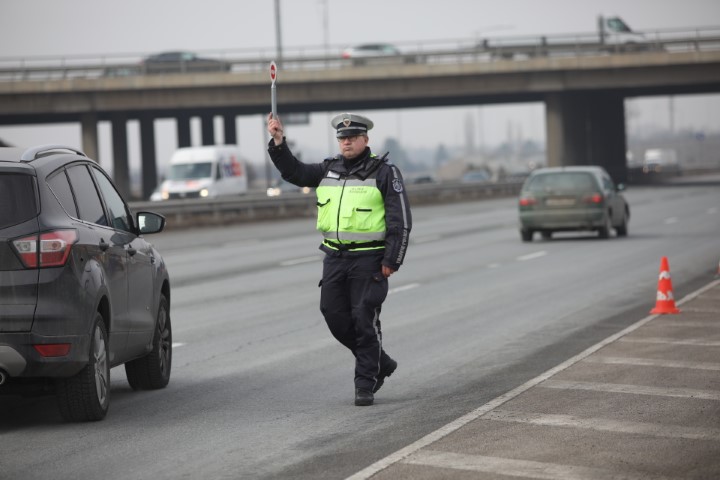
[88,126]
[148,160]
[183,131]
[587,128]
[208,129]
[230,130]
[121,170]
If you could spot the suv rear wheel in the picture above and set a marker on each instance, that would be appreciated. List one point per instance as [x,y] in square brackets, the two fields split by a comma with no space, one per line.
[152,371]
[86,396]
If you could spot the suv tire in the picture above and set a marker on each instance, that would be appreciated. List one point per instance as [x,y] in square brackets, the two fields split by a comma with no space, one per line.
[86,395]
[152,371]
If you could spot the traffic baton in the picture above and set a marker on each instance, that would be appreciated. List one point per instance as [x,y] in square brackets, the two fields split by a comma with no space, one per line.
[273,90]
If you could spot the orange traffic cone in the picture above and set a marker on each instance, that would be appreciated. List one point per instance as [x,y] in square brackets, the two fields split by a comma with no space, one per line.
[665,300]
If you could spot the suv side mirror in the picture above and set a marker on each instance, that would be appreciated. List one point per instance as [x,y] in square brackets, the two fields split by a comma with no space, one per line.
[149,222]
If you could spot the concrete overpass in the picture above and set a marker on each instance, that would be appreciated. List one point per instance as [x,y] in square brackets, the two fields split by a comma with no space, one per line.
[584,97]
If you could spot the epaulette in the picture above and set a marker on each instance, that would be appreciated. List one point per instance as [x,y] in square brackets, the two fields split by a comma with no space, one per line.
[330,159]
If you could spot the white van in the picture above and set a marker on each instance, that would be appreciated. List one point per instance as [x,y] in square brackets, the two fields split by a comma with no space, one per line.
[204,172]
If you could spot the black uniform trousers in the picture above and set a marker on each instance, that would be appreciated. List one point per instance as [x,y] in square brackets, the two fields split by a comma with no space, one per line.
[353,290]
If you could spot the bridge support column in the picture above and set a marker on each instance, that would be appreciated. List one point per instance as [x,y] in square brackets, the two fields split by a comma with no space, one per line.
[230,129]
[88,126]
[208,129]
[147,151]
[121,170]
[587,128]
[183,131]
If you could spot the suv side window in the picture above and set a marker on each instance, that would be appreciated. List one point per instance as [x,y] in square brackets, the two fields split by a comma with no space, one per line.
[60,186]
[88,202]
[120,218]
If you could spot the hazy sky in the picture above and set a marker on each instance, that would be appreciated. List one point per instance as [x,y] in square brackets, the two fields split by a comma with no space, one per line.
[96,27]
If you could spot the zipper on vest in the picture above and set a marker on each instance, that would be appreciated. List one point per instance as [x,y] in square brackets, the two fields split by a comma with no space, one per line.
[337,220]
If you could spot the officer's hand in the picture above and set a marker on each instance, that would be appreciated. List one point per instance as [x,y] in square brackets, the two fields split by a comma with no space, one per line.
[275,128]
[387,271]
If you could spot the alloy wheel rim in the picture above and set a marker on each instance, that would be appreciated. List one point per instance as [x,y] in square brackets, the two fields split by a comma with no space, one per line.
[101,370]
[165,342]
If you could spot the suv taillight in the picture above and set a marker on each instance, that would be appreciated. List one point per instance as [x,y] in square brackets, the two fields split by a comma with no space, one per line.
[48,249]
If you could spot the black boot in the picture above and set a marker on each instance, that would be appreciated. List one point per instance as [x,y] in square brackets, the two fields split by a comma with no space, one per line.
[363,397]
[386,370]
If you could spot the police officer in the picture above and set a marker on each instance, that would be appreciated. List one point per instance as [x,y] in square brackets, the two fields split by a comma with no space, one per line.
[364,217]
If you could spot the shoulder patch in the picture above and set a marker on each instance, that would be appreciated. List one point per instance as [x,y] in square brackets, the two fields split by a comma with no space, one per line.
[397,185]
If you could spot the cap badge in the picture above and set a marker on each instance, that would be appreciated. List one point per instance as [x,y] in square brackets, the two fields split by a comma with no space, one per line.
[346,122]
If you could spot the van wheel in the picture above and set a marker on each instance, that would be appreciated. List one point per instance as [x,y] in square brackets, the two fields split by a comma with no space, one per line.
[547,235]
[526,235]
[86,395]
[152,371]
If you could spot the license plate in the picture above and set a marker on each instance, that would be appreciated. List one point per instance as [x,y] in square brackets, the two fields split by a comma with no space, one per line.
[560,202]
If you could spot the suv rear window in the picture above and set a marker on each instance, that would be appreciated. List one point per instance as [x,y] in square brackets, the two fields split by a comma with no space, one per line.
[17,199]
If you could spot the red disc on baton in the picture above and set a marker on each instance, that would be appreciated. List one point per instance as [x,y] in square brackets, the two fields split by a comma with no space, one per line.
[273,71]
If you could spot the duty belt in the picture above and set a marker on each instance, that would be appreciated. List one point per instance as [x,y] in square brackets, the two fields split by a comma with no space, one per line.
[354,245]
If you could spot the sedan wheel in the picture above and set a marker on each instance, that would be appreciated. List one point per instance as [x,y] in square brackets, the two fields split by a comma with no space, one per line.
[86,396]
[526,235]
[604,231]
[622,229]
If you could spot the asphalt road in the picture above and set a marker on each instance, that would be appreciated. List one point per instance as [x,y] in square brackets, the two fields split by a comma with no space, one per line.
[259,389]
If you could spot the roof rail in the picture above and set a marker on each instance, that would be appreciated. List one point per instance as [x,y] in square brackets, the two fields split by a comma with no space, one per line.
[33,152]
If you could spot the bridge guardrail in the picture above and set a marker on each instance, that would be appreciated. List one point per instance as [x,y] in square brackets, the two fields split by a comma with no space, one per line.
[321,57]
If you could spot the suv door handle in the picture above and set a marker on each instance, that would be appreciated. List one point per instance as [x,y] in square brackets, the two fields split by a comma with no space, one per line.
[131,250]
[103,246]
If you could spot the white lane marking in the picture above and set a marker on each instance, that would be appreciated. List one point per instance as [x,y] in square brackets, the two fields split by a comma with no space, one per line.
[513,467]
[606,425]
[653,362]
[633,389]
[409,286]
[671,220]
[531,256]
[298,261]
[494,265]
[698,342]
[177,344]
[456,424]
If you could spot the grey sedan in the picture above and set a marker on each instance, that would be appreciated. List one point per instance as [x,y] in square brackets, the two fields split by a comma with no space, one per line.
[578,198]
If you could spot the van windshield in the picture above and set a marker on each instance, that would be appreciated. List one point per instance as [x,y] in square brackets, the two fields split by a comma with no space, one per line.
[190,171]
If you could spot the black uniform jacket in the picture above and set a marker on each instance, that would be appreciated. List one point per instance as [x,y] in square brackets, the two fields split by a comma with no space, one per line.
[398,220]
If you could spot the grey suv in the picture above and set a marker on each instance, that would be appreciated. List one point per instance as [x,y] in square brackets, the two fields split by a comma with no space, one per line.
[81,290]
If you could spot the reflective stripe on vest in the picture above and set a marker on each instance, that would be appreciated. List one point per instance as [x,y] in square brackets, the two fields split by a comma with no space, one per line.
[350,211]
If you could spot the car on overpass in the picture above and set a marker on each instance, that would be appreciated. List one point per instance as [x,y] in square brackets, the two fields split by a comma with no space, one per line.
[81,290]
[182,62]
[572,198]
[375,52]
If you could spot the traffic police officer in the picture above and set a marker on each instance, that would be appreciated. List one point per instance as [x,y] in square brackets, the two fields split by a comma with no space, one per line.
[364,217]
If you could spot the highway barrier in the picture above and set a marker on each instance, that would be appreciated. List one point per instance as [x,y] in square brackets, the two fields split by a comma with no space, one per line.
[258,206]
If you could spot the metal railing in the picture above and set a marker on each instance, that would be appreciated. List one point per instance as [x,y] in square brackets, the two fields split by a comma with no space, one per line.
[258,207]
[14,69]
